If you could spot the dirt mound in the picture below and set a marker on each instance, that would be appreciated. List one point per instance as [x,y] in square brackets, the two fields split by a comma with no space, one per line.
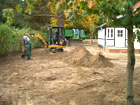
[82,57]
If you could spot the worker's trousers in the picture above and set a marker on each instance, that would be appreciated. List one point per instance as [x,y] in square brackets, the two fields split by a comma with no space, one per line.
[29,47]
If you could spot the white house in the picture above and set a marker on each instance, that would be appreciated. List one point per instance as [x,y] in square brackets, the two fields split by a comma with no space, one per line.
[114,37]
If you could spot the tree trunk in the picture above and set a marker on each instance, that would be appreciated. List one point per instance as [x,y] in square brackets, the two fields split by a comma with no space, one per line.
[60,18]
[130,67]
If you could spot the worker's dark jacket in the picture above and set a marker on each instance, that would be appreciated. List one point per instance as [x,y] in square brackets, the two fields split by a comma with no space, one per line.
[56,39]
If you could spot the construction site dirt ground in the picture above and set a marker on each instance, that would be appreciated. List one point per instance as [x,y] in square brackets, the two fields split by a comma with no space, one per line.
[51,79]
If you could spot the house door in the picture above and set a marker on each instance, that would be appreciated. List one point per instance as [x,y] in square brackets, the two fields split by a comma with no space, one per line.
[119,37]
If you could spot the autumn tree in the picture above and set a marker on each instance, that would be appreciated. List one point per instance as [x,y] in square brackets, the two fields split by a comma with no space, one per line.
[35,8]
[77,16]
[81,21]
[40,9]
[109,10]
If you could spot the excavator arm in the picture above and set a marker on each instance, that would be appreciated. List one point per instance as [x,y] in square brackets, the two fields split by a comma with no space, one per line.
[30,35]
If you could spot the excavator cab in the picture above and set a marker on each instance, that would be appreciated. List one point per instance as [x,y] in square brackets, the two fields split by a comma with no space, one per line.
[56,41]
[57,36]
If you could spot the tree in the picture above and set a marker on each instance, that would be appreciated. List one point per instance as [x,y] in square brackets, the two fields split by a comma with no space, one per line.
[7,4]
[76,15]
[31,10]
[82,21]
[53,8]
[110,9]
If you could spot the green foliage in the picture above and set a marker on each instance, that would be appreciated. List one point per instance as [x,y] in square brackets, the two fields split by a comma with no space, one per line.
[36,43]
[19,9]
[30,6]
[5,39]
[110,9]
[11,39]
[136,35]
[18,39]
[5,4]
[8,14]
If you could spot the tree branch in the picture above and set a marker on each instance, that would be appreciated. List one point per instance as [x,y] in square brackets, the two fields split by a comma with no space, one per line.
[43,15]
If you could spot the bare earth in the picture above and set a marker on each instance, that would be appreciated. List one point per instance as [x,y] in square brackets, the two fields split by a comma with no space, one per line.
[58,79]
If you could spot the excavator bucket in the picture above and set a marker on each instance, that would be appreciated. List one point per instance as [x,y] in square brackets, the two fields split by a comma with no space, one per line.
[74,42]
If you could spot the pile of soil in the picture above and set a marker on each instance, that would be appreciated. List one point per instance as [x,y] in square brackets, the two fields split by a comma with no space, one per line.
[82,57]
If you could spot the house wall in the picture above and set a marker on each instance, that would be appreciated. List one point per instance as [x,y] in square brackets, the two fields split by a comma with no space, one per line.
[101,37]
[110,36]
[115,37]
[120,37]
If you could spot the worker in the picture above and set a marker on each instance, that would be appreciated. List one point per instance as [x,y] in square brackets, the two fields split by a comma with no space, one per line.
[28,46]
[56,39]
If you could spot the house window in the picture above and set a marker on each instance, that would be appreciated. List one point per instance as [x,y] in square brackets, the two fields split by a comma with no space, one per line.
[120,33]
[110,32]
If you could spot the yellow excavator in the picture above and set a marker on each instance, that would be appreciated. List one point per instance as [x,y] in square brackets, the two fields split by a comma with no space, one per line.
[55,43]
[37,35]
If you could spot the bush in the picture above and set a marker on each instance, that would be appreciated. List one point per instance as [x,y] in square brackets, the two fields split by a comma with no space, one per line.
[11,39]
[35,41]
[5,39]
[18,39]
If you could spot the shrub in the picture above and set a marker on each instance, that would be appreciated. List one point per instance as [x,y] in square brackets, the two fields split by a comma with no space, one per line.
[11,39]
[5,39]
